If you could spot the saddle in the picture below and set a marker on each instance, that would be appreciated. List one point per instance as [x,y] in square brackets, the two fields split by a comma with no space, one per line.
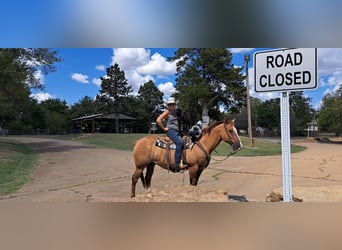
[167,143]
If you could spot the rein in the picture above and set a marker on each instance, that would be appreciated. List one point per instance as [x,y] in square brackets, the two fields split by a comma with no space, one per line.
[209,157]
[225,158]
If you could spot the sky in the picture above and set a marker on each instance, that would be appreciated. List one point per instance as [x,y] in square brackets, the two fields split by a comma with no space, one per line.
[79,73]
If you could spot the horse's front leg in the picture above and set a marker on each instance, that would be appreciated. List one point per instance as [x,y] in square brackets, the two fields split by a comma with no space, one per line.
[193,173]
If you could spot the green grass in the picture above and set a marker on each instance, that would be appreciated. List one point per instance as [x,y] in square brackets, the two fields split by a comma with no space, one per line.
[17,163]
[260,148]
[116,141]
[126,141]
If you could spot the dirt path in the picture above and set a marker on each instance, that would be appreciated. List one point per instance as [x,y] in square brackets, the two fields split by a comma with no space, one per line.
[69,171]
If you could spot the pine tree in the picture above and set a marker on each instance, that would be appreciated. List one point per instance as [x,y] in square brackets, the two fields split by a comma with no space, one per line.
[207,79]
[114,87]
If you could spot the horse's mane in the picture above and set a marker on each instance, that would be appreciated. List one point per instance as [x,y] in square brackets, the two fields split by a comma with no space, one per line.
[208,129]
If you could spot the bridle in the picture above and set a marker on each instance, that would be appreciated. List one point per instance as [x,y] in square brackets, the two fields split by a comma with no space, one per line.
[229,136]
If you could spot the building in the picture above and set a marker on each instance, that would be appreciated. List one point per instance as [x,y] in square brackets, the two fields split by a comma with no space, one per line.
[312,129]
[102,123]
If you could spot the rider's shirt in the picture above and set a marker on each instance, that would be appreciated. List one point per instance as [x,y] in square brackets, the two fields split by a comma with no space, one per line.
[172,121]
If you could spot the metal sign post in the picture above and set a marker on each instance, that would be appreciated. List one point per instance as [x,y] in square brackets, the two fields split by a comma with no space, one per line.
[285,70]
[286,146]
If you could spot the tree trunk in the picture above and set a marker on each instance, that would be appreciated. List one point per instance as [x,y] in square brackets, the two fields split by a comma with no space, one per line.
[205,116]
[117,122]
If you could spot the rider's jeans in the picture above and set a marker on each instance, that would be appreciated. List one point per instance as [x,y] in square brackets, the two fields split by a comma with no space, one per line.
[177,139]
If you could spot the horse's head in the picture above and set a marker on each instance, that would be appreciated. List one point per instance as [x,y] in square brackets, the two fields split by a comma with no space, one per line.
[231,135]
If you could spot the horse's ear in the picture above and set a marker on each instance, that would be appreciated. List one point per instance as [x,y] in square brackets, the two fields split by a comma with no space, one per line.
[229,121]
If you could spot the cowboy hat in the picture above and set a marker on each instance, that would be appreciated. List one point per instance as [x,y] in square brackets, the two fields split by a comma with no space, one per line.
[171,100]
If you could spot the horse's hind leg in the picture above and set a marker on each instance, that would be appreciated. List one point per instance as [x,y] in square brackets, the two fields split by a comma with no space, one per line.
[149,173]
[143,180]
[138,173]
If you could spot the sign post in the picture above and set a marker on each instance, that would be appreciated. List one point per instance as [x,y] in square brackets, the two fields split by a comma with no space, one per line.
[286,145]
[283,71]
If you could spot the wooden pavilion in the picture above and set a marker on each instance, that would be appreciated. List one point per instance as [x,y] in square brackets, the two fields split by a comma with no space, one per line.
[102,123]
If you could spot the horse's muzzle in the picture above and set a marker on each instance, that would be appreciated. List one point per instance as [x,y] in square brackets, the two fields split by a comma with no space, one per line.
[237,146]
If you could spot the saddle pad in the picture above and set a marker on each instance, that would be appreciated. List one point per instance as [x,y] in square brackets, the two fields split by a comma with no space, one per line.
[163,143]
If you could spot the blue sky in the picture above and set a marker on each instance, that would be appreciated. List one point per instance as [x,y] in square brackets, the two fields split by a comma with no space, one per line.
[79,72]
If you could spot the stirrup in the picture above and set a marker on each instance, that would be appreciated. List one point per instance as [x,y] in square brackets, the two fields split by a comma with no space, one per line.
[182,166]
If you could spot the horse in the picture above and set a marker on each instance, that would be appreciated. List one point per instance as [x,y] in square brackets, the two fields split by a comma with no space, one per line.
[146,154]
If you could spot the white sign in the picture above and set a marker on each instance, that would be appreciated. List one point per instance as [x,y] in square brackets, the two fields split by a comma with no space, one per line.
[285,70]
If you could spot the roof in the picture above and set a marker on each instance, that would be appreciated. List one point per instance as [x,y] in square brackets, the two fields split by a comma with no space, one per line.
[105,116]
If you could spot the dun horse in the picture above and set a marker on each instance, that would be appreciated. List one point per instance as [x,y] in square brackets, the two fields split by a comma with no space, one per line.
[146,154]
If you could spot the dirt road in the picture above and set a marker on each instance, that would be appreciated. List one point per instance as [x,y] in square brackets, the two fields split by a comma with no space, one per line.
[70,171]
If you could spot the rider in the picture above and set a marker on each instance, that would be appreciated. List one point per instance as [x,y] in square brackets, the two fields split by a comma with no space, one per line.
[172,129]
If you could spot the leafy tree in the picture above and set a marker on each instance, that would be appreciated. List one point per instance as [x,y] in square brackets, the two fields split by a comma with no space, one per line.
[85,106]
[57,116]
[131,105]
[269,114]
[151,100]
[207,80]
[13,92]
[18,68]
[114,87]
[330,114]
[242,121]
[301,112]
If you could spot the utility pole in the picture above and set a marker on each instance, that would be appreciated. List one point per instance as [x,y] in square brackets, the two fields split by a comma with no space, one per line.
[247,58]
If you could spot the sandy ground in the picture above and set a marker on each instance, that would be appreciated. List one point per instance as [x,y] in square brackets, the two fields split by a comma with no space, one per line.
[69,171]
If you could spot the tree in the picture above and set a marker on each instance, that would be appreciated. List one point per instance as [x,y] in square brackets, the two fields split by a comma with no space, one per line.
[114,87]
[18,70]
[151,100]
[206,79]
[13,92]
[269,114]
[301,112]
[241,121]
[57,116]
[85,106]
[330,114]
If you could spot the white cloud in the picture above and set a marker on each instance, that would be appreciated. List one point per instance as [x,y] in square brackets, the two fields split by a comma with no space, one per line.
[167,88]
[39,76]
[329,61]
[158,65]
[333,81]
[140,67]
[100,67]
[136,80]
[80,78]
[240,50]
[41,96]
[96,81]
[130,58]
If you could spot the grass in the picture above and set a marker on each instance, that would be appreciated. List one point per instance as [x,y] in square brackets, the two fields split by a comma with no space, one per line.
[260,148]
[116,141]
[17,163]
[126,142]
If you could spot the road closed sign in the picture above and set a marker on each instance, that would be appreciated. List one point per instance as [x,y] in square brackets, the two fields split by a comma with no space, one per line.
[285,70]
